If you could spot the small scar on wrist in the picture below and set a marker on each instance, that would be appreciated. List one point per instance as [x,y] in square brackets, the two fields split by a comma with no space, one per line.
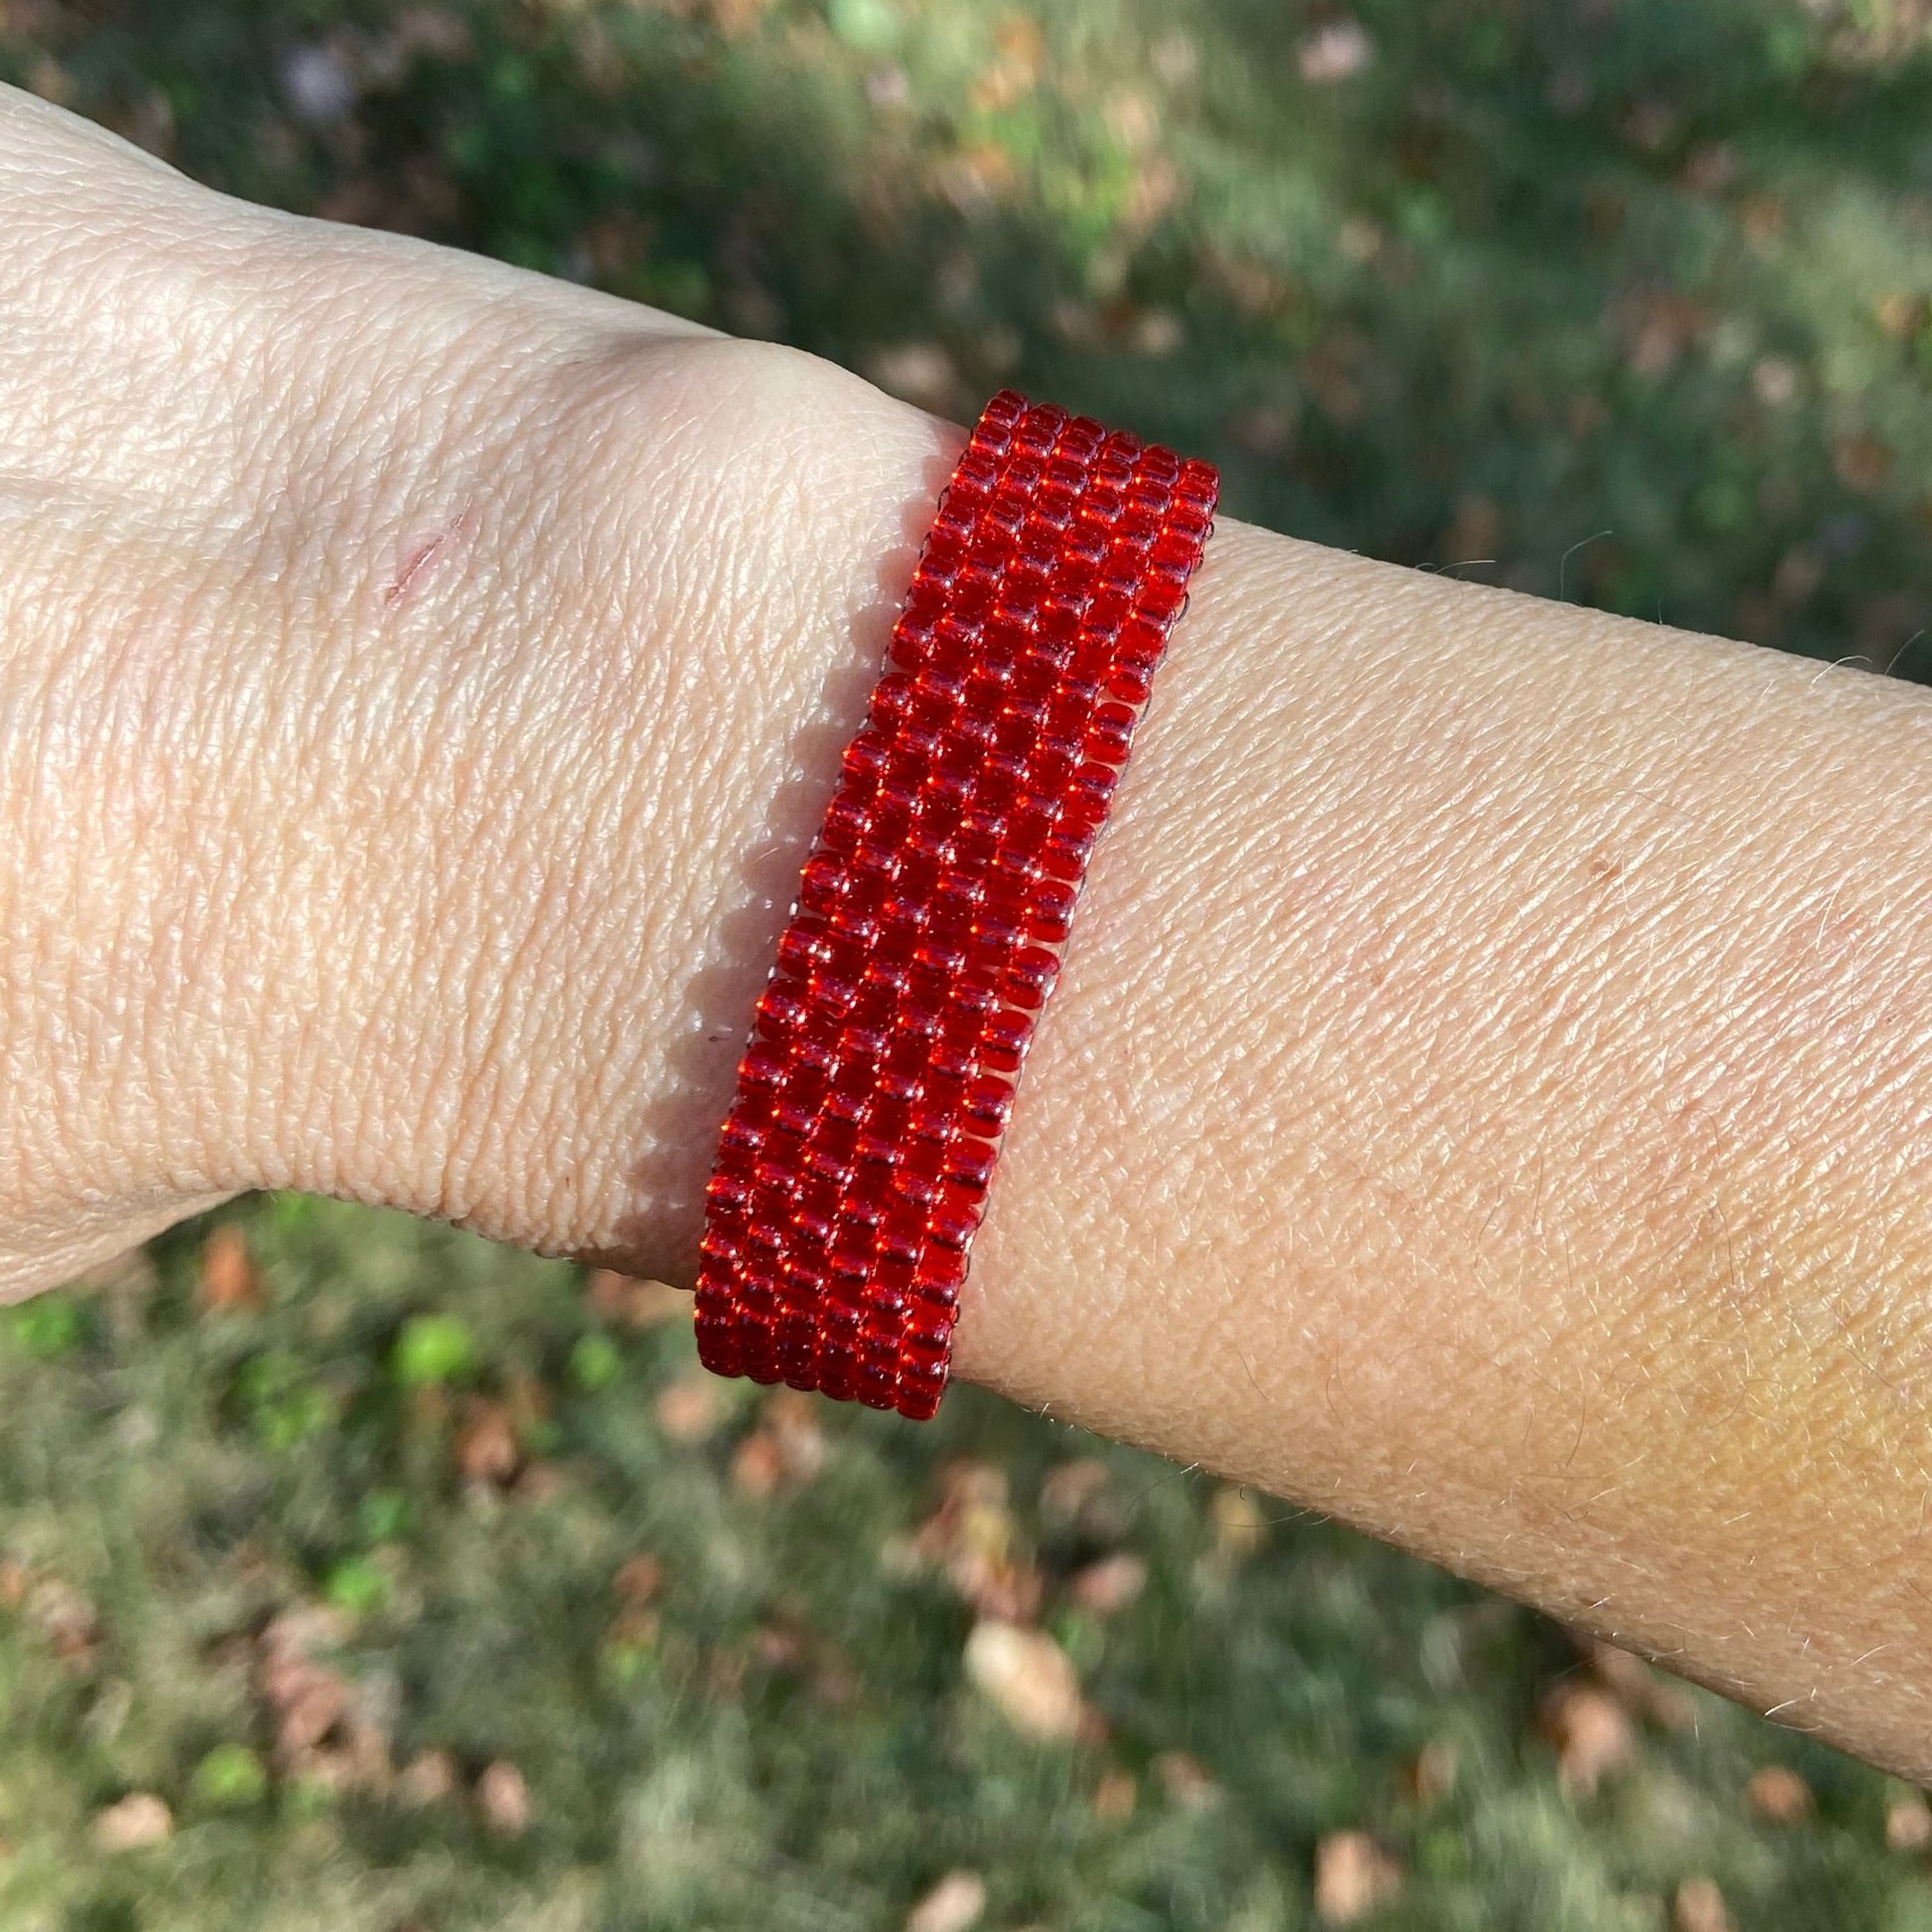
[419,555]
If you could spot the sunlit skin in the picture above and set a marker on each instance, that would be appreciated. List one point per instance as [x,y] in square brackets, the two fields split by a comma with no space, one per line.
[1489,1093]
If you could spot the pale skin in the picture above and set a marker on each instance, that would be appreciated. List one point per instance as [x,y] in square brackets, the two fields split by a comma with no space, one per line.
[1489,1093]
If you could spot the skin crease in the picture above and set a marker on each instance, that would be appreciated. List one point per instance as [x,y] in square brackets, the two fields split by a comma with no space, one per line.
[1488,1084]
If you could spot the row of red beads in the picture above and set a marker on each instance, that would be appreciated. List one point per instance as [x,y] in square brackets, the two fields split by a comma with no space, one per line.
[853,1168]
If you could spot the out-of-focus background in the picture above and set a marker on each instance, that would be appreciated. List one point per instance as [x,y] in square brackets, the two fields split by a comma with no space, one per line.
[354,1575]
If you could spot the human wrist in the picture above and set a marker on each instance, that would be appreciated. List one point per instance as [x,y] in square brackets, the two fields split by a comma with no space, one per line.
[526,942]
[462,631]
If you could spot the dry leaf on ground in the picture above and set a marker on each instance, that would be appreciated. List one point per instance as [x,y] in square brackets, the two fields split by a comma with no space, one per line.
[1333,53]
[955,1904]
[639,1578]
[628,1303]
[1028,1677]
[66,1619]
[1779,1794]
[1352,1875]
[1112,1584]
[1590,1732]
[326,1728]
[228,1278]
[973,1537]
[138,1820]
[1071,1491]
[1432,1773]
[427,1779]
[690,1409]
[1699,1908]
[486,1450]
[503,1798]
[1187,1782]
[1645,1691]
[1908,1823]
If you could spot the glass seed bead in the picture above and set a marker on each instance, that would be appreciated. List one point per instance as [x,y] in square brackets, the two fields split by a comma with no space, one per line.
[969,1161]
[1160,598]
[1030,827]
[986,1103]
[925,1348]
[1082,440]
[845,822]
[825,881]
[1196,482]
[1096,781]
[1173,553]
[918,1396]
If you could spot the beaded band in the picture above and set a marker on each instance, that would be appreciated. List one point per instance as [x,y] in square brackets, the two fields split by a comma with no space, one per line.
[853,1167]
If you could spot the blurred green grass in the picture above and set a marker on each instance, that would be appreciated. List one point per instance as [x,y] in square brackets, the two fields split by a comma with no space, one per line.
[427,1589]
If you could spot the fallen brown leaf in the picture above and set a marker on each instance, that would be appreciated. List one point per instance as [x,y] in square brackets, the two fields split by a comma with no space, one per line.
[628,1303]
[1862,463]
[1352,1875]
[793,1421]
[955,1904]
[486,1450]
[1644,1690]
[137,1822]
[1761,217]
[1590,1732]
[1774,380]
[427,1779]
[228,1279]
[1070,1491]
[1710,169]
[540,1483]
[1187,1782]
[1660,326]
[1174,58]
[1474,534]
[787,1448]
[1026,1677]
[1779,1794]
[690,1409]
[639,1578]
[325,1728]
[973,1538]
[779,1646]
[1908,1823]
[66,1619]
[1333,53]
[1699,1908]
[1112,1584]
[503,1798]
[975,175]
[1432,1773]
[1900,314]
[922,373]
[756,1464]
[735,17]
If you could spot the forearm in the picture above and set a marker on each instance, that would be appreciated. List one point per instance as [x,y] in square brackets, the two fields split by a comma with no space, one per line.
[1484,1090]
[1487,1098]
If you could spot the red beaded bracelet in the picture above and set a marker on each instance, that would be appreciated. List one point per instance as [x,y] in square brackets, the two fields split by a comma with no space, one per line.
[853,1167]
